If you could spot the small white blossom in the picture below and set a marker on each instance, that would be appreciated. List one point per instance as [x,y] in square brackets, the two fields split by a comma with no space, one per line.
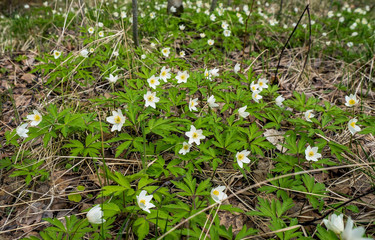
[213,17]
[22,130]
[112,79]
[309,115]
[164,74]
[144,201]
[192,104]
[352,125]
[210,42]
[351,100]
[173,9]
[242,157]
[150,99]
[335,223]
[211,101]
[95,215]
[262,83]
[182,27]
[165,51]
[182,54]
[256,96]
[237,68]
[279,101]
[226,33]
[202,35]
[84,53]
[91,30]
[117,119]
[101,34]
[224,25]
[35,118]
[185,148]
[254,86]
[195,135]
[242,113]
[218,194]
[56,54]
[351,233]
[312,154]
[182,77]
[153,81]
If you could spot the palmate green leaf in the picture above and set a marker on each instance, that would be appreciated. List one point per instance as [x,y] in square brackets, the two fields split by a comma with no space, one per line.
[141,227]
[115,190]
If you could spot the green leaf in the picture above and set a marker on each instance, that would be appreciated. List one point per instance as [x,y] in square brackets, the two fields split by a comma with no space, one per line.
[141,227]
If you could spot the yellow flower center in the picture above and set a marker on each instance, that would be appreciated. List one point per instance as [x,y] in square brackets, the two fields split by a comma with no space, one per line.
[150,98]
[152,81]
[216,192]
[254,88]
[311,153]
[241,157]
[195,135]
[57,53]
[117,119]
[256,95]
[192,104]
[186,147]
[142,201]
[260,83]
[309,116]
[165,51]
[163,73]
[36,118]
[182,77]
[351,102]
[352,124]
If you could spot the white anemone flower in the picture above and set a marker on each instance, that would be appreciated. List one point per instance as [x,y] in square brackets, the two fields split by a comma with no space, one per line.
[56,54]
[91,30]
[192,104]
[226,33]
[262,83]
[351,233]
[242,157]
[182,27]
[164,74]
[112,79]
[117,119]
[185,148]
[214,72]
[242,113]
[202,35]
[182,77]
[211,102]
[212,17]
[254,86]
[312,154]
[210,42]
[95,215]
[335,223]
[195,135]
[101,34]
[35,118]
[279,101]
[256,96]
[84,53]
[182,54]
[144,201]
[22,130]
[237,68]
[166,51]
[173,9]
[151,99]
[351,100]
[224,25]
[218,194]
[352,125]
[153,81]
[309,115]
